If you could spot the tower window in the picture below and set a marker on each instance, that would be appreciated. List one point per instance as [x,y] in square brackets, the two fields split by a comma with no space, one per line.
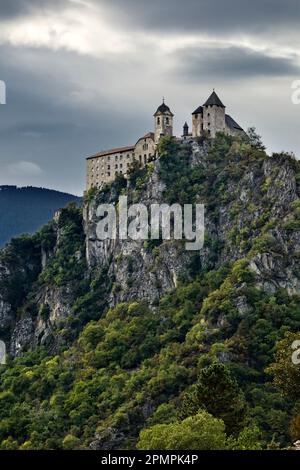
[196,116]
[158,121]
[167,121]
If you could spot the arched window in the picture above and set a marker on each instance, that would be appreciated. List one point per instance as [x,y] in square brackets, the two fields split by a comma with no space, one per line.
[158,121]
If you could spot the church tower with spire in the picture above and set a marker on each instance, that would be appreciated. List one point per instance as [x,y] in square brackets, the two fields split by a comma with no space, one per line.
[163,122]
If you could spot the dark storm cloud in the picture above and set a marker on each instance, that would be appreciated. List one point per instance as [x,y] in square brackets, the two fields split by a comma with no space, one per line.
[234,63]
[63,106]
[14,8]
[203,16]
[42,123]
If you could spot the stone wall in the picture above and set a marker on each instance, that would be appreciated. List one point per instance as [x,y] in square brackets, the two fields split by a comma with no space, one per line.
[144,150]
[103,169]
[214,119]
[197,122]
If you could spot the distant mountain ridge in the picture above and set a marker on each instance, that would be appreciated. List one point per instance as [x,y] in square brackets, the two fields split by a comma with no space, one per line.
[26,209]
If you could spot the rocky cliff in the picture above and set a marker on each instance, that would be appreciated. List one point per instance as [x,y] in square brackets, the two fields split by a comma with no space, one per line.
[252,210]
[243,284]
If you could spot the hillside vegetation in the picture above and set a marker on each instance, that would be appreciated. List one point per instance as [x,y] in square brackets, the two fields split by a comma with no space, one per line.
[144,345]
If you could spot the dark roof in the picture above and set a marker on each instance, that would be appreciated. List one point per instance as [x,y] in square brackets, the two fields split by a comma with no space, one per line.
[150,135]
[231,123]
[111,151]
[198,110]
[186,125]
[163,108]
[214,100]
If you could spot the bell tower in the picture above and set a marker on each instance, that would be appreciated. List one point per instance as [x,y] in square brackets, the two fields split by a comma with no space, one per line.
[163,122]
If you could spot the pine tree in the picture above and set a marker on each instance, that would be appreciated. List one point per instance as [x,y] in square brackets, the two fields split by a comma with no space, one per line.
[218,393]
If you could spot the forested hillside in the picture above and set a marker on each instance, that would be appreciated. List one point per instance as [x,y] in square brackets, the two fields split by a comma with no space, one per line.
[140,344]
[25,210]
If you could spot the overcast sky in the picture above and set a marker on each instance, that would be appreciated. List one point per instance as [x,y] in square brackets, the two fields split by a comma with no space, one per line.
[86,75]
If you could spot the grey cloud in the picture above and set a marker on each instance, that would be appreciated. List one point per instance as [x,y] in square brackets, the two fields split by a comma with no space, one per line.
[42,124]
[203,16]
[16,8]
[232,63]
[51,121]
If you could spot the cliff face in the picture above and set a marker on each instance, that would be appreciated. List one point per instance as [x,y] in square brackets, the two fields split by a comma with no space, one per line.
[36,294]
[254,206]
[138,271]
[252,212]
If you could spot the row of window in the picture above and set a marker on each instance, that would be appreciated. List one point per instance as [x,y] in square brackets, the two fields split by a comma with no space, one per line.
[119,167]
[117,157]
[146,159]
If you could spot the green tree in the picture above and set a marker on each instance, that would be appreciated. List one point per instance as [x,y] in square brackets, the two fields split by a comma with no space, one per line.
[199,432]
[71,442]
[255,139]
[285,371]
[248,439]
[218,393]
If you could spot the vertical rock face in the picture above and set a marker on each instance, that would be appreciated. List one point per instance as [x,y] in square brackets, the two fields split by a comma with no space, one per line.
[253,217]
[262,194]
[137,271]
[30,307]
[5,306]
